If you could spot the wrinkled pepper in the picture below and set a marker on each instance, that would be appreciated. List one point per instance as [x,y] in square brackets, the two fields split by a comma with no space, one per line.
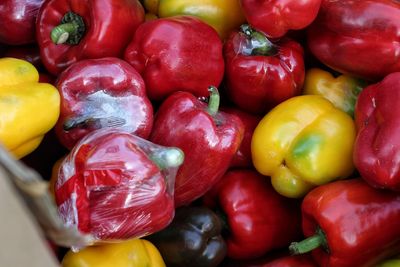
[377,147]
[71,30]
[28,109]
[99,93]
[223,15]
[349,223]
[115,186]
[302,143]
[357,37]
[276,17]
[193,239]
[179,53]
[342,91]
[17,21]
[261,74]
[257,218]
[208,137]
[131,253]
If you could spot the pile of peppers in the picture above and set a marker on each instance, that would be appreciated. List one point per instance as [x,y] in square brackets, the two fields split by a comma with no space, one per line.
[210,133]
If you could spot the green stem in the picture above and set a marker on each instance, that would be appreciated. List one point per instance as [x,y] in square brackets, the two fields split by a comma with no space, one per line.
[168,157]
[70,30]
[62,32]
[213,102]
[310,243]
[259,43]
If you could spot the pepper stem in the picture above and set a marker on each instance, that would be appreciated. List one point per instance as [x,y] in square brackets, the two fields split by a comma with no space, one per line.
[213,102]
[259,44]
[70,30]
[309,244]
[168,157]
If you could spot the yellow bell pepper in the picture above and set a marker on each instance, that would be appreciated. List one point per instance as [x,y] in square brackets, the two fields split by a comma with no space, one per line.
[28,108]
[341,91]
[223,15]
[303,142]
[131,253]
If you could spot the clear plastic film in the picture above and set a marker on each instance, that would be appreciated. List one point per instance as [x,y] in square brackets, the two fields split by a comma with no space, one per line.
[116,186]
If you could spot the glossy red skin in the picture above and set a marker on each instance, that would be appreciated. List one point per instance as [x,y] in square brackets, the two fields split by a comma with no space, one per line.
[242,158]
[258,83]
[17,21]
[259,219]
[179,53]
[360,223]
[120,192]
[110,25]
[377,146]
[358,37]
[209,143]
[29,53]
[304,260]
[104,88]
[285,14]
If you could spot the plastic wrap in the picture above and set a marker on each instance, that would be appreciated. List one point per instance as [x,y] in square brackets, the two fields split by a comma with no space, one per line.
[116,186]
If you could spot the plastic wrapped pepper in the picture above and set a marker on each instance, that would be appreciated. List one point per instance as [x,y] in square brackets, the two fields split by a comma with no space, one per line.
[99,93]
[208,137]
[223,15]
[349,223]
[192,239]
[258,219]
[116,186]
[378,139]
[131,253]
[261,74]
[304,142]
[342,91]
[358,37]
[276,17]
[71,30]
[28,109]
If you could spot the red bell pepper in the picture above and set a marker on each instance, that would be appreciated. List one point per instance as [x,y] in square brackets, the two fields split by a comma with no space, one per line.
[261,74]
[242,157]
[116,186]
[276,17]
[377,146]
[177,53]
[71,30]
[17,21]
[349,223]
[358,37]
[208,138]
[258,218]
[98,93]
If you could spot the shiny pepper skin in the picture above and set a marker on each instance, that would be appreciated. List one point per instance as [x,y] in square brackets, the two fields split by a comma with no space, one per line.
[302,143]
